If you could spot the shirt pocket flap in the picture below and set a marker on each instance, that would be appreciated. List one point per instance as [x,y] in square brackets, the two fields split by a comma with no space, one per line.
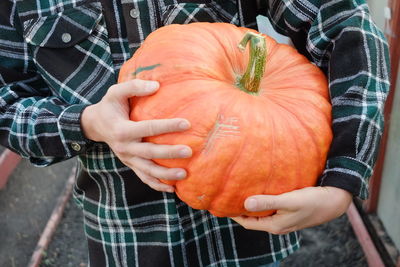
[64,29]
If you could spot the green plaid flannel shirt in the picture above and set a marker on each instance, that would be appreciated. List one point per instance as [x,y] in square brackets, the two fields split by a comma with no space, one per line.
[59,56]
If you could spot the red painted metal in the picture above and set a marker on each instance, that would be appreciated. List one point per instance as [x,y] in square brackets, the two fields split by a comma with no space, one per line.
[8,161]
[371,253]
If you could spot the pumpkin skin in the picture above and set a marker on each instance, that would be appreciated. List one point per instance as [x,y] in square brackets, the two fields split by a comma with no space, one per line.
[271,142]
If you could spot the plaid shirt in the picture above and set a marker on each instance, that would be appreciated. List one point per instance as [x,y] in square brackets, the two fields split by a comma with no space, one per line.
[58,57]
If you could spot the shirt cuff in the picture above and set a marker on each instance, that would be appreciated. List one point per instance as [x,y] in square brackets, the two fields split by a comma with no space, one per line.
[348,174]
[71,133]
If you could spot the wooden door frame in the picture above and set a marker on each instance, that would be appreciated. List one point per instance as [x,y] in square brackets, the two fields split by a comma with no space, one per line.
[392,33]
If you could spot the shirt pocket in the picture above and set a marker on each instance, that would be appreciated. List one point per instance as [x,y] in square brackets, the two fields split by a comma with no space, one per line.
[184,12]
[71,52]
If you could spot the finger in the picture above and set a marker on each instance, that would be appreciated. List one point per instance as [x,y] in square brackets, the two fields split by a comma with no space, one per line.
[275,224]
[243,220]
[252,223]
[133,88]
[150,168]
[154,182]
[154,151]
[156,127]
[270,202]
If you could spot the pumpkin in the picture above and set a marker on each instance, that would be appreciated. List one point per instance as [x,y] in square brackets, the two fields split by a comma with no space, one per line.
[260,113]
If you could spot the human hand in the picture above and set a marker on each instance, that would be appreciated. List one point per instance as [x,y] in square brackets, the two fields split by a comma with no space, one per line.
[296,210]
[108,121]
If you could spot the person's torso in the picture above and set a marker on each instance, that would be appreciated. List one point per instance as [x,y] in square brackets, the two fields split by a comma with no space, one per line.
[79,46]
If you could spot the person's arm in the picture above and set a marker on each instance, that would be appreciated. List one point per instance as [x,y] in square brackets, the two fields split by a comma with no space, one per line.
[43,128]
[35,124]
[340,38]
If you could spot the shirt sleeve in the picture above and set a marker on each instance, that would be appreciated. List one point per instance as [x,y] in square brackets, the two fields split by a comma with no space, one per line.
[33,122]
[341,38]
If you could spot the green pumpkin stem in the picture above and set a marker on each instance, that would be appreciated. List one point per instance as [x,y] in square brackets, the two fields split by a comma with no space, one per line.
[251,79]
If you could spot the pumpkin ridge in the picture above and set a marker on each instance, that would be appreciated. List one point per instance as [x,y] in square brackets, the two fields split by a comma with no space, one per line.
[306,127]
[228,171]
[299,152]
[229,58]
[290,98]
[278,92]
[296,59]
[230,166]
[191,162]
[272,159]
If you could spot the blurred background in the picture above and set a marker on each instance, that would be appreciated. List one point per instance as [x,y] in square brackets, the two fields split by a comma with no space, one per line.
[41,226]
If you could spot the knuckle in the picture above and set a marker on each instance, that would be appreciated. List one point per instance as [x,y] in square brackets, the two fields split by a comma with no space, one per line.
[146,181]
[269,205]
[146,152]
[118,134]
[144,178]
[149,170]
[168,126]
[139,174]
[112,89]
[154,185]
[151,128]
[119,148]
[136,168]
[153,172]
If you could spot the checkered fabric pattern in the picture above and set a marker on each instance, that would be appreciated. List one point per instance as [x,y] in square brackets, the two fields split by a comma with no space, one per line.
[58,57]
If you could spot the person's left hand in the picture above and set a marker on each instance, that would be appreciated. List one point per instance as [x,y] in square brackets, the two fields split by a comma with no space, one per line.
[296,210]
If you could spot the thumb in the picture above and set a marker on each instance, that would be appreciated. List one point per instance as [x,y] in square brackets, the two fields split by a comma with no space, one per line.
[265,202]
[134,87]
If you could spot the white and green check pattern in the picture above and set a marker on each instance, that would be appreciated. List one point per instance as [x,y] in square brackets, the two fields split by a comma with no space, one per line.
[58,57]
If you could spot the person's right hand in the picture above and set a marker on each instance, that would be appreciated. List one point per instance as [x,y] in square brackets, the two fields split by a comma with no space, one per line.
[108,121]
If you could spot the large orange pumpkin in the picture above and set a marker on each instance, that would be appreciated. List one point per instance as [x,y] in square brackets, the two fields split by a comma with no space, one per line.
[259,126]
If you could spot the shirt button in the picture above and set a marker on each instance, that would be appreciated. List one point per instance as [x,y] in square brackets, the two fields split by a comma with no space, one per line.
[66,37]
[76,147]
[134,13]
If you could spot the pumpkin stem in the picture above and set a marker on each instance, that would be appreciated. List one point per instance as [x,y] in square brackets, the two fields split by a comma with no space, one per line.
[251,79]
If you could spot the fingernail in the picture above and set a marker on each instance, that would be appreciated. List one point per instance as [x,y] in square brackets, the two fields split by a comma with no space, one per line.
[251,204]
[185,153]
[152,85]
[183,125]
[180,174]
